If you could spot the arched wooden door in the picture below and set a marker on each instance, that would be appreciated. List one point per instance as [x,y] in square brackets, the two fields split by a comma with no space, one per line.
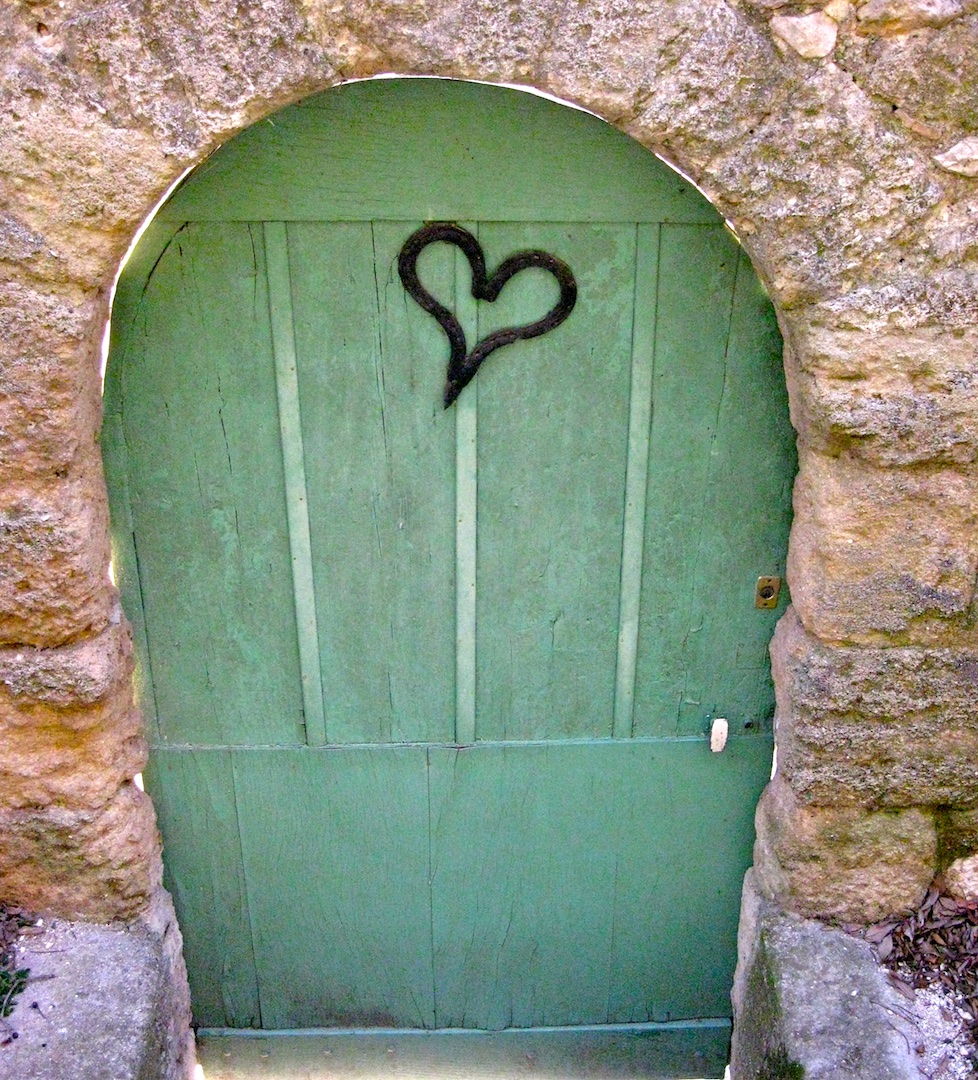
[429,689]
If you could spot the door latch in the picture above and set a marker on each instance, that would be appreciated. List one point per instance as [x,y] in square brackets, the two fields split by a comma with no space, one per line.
[767,592]
[718,734]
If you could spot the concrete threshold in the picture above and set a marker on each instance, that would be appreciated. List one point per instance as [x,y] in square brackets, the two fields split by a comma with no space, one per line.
[629,1052]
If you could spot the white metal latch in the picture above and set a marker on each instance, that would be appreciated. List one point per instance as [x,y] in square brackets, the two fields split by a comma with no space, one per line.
[718,734]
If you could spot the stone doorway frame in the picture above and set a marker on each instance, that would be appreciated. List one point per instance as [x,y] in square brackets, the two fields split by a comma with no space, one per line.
[836,140]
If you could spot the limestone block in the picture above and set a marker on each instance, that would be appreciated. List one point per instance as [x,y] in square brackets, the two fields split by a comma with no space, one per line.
[902,16]
[811,36]
[961,158]
[875,727]
[813,1001]
[921,72]
[83,673]
[82,864]
[957,832]
[884,555]
[54,559]
[841,863]
[961,879]
[105,1007]
[883,394]
[840,10]
[69,731]
[49,390]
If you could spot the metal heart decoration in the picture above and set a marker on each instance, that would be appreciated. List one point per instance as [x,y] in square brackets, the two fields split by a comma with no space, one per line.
[463,365]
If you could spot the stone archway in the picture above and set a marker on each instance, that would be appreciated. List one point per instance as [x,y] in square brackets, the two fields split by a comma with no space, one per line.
[835,138]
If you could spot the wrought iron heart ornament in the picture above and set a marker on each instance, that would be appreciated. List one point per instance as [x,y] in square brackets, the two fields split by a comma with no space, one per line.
[462,366]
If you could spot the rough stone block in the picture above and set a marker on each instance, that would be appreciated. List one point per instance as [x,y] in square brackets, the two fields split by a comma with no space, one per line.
[69,731]
[49,391]
[811,36]
[82,864]
[961,879]
[875,727]
[812,1002]
[883,394]
[957,835]
[83,673]
[884,556]
[841,863]
[54,560]
[108,1005]
[902,16]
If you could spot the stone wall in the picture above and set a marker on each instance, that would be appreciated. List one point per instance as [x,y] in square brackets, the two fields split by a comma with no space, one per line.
[840,140]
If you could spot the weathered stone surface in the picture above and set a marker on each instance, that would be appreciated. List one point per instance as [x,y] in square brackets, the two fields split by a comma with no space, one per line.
[54,561]
[885,394]
[69,731]
[848,864]
[83,673]
[82,864]
[883,556]
[921,72]
[961,158]
[957,834]
[961,879]
[902,16]
[811,36]
[105,1007]
[810,1001]
[178,1038]
[874,727]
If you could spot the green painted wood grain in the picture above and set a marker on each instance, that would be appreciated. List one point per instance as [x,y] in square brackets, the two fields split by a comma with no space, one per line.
[529,882]
[434,149]
[748,505]
[520,863]
[683,833]
[126,320]
[553,435]
[294,468]
[466,411]
[199,420]
[336,858]
[636,474]
[588,883]
[719,434]
[195,804]
[380,457]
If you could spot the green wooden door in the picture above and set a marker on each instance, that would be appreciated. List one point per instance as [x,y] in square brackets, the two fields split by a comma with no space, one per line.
[429,690]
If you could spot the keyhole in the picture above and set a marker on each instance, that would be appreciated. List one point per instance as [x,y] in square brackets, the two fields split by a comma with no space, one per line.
[766,592]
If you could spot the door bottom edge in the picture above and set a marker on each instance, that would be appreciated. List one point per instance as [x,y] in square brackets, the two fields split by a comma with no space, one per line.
[608,1029]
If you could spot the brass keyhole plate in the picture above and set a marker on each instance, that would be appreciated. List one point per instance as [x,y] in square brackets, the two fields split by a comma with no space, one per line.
[767,592]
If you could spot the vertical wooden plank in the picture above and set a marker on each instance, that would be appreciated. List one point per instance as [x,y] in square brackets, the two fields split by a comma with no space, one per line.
[193,792]
[522,885]
[696,279]
[380,462]
[293,462]
[682,837]
[128,321]
[125,565]
[336,859]
[748,510]
[636,473]
[553,433]
[200,425]
[719,431]
[466,510]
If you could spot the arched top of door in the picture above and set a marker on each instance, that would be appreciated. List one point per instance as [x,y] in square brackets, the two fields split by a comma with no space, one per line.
[375,157]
